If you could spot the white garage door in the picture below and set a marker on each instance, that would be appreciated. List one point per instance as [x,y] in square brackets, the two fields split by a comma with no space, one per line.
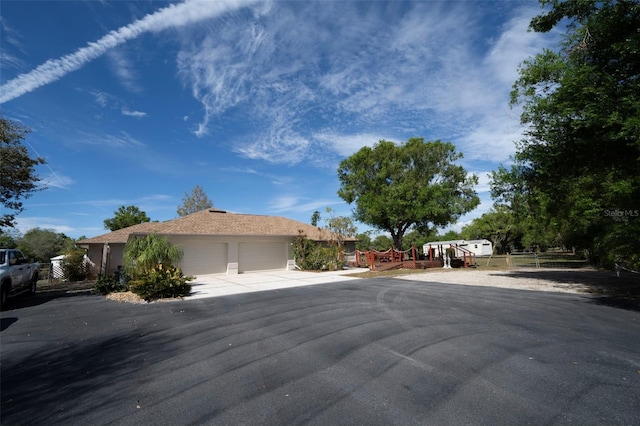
[203,257]
[262,256]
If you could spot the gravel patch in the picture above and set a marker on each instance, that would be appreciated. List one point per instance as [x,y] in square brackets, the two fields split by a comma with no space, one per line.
[556,280]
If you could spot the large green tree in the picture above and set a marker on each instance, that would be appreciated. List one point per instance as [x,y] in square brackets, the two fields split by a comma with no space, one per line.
[364,241]
[18,178]
[418,238]
[381,243]
[43,244]
[398,187]
[9,237]
[580,157]
[124,217]
[194,202]
[497,225]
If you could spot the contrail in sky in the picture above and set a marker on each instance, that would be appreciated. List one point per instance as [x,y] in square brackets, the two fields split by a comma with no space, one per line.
[175,15]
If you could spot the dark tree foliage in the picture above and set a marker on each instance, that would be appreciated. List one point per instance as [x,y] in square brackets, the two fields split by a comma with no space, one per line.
[415,185]
[18,179]
[315,218]
[579,162]
[125,217]
[43,244]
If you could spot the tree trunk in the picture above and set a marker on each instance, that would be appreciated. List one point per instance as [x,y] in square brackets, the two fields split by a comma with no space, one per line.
[397,239]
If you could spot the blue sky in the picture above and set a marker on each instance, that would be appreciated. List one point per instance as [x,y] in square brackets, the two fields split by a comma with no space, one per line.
[135,103]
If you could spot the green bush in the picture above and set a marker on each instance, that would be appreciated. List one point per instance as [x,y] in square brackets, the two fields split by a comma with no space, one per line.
[311,256]
[161,282]
[321,259]
[106,284]
[73,265]
[142,255]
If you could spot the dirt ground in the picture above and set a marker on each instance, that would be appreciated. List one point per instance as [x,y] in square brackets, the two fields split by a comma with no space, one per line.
[584,280]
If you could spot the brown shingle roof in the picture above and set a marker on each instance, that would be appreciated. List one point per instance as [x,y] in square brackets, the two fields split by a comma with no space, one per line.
[121,235]
[218,222]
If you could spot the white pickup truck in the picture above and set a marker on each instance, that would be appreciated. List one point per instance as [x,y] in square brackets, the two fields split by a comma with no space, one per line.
[17,275]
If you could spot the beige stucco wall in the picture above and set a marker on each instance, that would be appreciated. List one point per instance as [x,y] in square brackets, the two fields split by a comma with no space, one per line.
[232,262]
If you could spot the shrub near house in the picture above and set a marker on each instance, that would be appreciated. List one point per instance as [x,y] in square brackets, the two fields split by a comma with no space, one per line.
[150,262]
[161,282]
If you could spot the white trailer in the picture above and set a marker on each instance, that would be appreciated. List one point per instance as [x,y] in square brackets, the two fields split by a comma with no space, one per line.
[477,247]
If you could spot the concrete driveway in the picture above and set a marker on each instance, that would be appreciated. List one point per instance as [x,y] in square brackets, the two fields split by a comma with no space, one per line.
[214,285]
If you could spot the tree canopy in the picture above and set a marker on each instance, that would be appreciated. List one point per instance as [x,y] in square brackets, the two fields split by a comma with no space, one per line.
[125,217]
[341,228]
[413,185]
[315,218]
[194,202]
[18,178]
[580,157]
[43,244]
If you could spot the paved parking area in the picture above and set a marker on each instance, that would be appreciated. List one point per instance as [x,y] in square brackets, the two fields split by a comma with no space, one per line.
[381,351]
[214,285]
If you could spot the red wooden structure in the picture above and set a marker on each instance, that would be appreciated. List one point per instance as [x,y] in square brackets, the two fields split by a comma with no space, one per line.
[410,259]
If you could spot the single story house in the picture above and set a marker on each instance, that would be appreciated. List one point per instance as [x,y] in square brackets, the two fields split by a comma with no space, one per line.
[214,242]
[477,247]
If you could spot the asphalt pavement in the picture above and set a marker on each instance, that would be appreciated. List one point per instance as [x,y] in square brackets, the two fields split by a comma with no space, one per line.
[364,352]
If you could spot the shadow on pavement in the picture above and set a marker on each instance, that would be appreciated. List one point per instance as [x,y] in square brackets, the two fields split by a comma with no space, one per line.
[617,302]
[622,292]
[26,301]
[6,322]
[55,380]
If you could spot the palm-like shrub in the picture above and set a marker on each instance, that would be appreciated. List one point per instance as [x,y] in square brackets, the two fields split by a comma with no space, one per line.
[150,262]
[144,254]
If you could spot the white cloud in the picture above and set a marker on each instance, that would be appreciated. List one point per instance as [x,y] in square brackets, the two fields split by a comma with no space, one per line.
[123,69]
[275,179]
[136,114]
[11,38]
[346,145]
[279,143]
[59,225]
[102,98]
[289,203]
[172,16]
[495,128]
[55,180]
[484,182]
[119,140]
[407,69]
[514,45]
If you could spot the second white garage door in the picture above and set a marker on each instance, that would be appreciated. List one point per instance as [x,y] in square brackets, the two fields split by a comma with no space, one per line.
[262,256]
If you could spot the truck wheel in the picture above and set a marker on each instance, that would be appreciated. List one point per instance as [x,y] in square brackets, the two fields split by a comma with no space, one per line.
[34,284]
[4,294]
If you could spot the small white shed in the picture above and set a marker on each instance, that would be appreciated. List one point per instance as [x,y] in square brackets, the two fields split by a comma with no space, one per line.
[56,267]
